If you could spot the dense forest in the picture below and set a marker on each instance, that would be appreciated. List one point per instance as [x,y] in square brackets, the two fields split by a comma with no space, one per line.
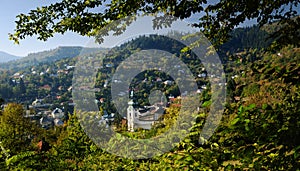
[259,127]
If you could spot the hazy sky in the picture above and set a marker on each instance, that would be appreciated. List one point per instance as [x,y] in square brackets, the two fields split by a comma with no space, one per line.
[9,9]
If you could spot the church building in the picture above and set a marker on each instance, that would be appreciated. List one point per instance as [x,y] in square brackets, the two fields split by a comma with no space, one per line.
[140,119]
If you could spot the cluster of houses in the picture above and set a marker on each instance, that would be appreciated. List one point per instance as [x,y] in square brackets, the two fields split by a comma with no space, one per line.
[17,77]
[55,118]
[40,113]
[136,117]
[51,72]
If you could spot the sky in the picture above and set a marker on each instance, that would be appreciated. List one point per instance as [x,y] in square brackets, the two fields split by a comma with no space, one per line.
[9,9]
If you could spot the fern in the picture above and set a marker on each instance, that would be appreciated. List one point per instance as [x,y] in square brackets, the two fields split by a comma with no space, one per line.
[19,157]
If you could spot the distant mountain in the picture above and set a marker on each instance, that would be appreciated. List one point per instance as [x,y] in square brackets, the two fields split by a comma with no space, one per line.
[5,57]
[48,56]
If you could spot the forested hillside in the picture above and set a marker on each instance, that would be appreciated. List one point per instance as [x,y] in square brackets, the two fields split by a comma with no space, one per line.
[48,79]
[259,128]
[247,38]
[39,76]
[49,56]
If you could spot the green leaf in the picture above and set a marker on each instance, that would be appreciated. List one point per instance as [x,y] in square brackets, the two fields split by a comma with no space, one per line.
[251,106]
[247,127]
[264,106]
[206,103]
[247,121]
[241,110]
[235,121]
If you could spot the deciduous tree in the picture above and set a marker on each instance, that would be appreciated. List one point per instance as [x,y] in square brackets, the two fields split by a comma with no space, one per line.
[16,131]
[216,18]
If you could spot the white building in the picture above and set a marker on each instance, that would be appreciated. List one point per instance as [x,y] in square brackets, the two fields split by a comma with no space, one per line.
[57,113]
[37,102]
[136,119]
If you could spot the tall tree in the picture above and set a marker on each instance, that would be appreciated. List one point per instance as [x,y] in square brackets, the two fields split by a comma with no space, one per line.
[216,19]
[16,131]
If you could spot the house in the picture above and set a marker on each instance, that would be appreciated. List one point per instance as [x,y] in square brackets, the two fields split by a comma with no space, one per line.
[60,88]
[108,117]
[168,82]
[101,100]
[105,83]
[46,87]
[203,75]
[70,88]
[37,102]
[70,67]
[46,122]
[58,122]
[61,71]
[57,113]
[17,75]
[158,79]
[212,75]
[109,65]
[48,70]
[53,75]
[199,91]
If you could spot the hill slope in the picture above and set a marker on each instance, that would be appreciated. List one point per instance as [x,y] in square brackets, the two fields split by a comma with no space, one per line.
[5,57]
[46,57]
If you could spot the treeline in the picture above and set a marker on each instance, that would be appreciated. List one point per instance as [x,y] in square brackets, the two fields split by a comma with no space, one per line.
[46,57]
[247,38]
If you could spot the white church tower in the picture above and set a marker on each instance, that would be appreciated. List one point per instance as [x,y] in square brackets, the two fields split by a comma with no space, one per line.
[131,116]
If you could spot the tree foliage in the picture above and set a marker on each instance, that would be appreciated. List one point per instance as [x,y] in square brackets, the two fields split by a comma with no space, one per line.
[216,19]
[16,131]
[259,131]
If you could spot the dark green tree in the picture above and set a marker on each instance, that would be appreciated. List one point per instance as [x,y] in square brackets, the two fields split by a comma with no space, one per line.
[217,19]
[22,86]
